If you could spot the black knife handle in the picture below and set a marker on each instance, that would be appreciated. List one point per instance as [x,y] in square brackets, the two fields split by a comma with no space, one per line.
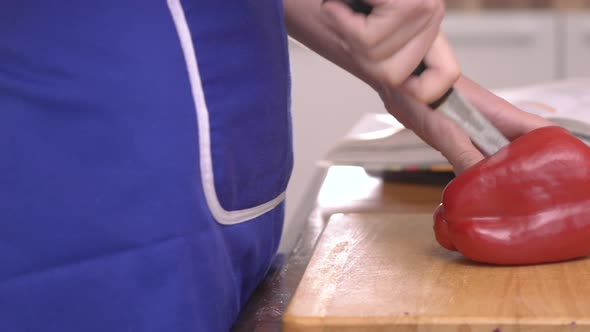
[360,6]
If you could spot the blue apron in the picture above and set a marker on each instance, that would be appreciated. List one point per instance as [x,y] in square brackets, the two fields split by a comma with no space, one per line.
[145,152]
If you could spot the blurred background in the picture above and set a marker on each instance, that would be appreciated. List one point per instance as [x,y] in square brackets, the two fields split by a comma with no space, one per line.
[499,43]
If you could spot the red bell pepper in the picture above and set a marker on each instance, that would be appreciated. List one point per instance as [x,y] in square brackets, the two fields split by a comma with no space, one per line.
[529,203]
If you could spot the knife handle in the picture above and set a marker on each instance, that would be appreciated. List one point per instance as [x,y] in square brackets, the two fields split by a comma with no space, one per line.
[360,6]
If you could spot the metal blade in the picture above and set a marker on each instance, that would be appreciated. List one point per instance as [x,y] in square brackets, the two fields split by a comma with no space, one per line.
[482,132]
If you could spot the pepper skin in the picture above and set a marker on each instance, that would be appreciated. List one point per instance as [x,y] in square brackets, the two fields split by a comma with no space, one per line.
[527,204]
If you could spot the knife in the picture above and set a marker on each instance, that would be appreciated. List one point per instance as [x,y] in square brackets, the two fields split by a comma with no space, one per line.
[455,107]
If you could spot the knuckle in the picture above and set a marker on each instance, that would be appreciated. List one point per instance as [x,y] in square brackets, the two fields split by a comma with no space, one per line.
[454,73]
[423,96]
[373,55]
[362,53]
[454,76]
[439,15]
[433,9]
[428,6]
[418,89]
[364,44]
[362,47]
[466,158]
[439,7]
[368,42]
[450,74]
[394,79]
[427,93]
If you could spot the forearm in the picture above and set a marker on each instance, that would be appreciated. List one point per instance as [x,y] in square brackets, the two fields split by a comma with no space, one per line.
[305,24]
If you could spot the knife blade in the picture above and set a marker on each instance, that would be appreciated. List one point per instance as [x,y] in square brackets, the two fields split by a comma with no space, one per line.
[455,107]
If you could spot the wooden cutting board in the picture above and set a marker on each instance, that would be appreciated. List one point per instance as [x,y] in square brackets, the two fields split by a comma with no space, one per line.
[383,272]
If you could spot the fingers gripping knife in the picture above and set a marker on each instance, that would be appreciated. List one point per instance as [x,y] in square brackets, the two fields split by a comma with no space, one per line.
[482,132]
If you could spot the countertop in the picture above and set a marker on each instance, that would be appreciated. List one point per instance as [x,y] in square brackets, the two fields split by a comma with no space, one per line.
[340,189]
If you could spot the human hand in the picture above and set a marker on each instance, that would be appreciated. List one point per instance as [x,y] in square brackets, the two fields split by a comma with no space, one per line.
[389,43]
[442,134]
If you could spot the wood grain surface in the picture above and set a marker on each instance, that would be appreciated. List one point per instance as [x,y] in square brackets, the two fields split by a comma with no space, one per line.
[385,272]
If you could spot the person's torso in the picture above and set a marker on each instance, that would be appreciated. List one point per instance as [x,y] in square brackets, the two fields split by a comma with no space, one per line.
[145,154]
